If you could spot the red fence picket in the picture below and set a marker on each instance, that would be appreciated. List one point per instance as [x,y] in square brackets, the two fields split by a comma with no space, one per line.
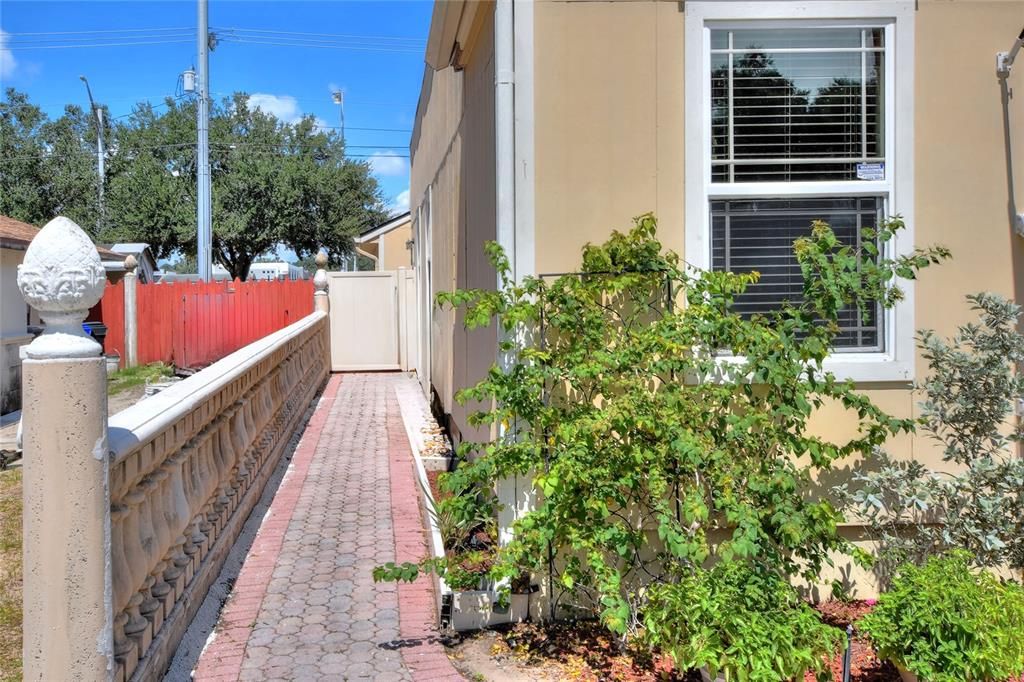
[194,324]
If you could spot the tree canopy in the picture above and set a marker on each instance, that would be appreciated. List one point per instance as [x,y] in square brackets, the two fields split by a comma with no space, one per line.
[274,182]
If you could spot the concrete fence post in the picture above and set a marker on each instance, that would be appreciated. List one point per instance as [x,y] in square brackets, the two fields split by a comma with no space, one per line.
[68,631]
[131,313]
[322,300]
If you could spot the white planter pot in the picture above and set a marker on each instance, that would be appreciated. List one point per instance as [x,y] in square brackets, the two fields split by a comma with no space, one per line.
[113,362]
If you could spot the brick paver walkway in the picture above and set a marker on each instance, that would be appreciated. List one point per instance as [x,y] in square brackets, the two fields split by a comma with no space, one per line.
[305,606]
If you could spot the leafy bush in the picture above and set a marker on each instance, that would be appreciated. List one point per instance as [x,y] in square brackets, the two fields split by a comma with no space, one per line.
[976,502]
[947,623]
[744,624]
[649,453]
[457,517]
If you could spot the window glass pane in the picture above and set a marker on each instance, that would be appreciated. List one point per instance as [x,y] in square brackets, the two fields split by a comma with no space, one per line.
[758,234]
[720,106]
[798,105]
[791,37]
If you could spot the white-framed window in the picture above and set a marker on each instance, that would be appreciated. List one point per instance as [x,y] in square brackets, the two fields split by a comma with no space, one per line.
[795,111]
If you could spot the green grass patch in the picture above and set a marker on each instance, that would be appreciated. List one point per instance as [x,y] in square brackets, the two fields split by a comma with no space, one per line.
[10,575]
[130,377]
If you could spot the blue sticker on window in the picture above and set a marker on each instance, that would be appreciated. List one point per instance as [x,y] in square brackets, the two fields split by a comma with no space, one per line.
[871,171]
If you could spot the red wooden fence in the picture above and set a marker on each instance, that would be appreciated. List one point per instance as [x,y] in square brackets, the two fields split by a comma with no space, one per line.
[193,324]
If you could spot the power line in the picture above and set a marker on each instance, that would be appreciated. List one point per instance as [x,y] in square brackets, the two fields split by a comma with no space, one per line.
[41,105]
[117,39]
[348,97]
[253,147]
[378,130]
[325,35]
[315,42]
[113,30]
[328,47]
[67,47]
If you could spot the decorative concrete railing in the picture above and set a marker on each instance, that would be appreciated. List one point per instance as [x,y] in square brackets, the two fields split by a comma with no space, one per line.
[130,522]
[187,466]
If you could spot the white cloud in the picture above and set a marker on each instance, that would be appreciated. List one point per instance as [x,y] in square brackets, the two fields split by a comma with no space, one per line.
[7,61]
[284,107]
[400,203]
[388,164]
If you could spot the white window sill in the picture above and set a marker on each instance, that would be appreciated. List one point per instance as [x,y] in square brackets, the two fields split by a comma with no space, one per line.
[869,367]
[862,368]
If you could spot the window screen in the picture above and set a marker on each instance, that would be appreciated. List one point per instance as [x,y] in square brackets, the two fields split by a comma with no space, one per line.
[758,234]
[797,104]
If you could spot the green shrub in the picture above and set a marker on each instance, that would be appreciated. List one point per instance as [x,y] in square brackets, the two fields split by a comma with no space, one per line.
[945,622]
[743,623]
[647,453]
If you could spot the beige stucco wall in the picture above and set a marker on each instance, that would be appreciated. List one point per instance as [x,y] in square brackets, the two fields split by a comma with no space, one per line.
[394,253]
[609,142]
[13,330]
[610,145]
[13,309]
[453,159]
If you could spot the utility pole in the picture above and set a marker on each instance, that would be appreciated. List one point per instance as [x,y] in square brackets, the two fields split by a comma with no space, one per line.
[204,228]
[100,152]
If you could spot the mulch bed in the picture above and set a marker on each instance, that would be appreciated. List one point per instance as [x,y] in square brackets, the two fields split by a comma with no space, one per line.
[584,650]
[864,665]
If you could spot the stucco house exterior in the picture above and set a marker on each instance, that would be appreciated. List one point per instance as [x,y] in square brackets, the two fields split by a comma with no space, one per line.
[15,320]
[546,125]
[388,245]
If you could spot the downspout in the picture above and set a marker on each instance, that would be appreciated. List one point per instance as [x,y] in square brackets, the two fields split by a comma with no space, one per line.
[504,129]
[1004,64]
[375,259]
[505,206]
[513,132]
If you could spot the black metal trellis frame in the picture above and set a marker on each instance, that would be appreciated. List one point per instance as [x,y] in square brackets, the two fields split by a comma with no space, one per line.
[669,302]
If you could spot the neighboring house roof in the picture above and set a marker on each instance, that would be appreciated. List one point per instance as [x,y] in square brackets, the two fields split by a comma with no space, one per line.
[17,235]
[381,230]
[143,255]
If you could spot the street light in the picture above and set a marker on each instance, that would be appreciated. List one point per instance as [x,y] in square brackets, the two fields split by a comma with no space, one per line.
[338,97]
[98,114]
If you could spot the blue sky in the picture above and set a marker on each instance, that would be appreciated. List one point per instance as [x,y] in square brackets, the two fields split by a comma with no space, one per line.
[379,70]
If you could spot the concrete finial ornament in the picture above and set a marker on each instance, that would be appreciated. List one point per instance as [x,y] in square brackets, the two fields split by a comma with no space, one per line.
[130,263]
[62,277]
[320,277]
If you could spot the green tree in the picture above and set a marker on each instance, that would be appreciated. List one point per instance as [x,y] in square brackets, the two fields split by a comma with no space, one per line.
[273,182]
[47,167]
[150,195]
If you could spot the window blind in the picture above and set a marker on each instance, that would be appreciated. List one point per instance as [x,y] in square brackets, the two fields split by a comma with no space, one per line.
[797,104]
[758,234]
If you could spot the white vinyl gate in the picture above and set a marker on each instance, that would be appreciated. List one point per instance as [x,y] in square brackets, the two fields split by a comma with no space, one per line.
[374,321]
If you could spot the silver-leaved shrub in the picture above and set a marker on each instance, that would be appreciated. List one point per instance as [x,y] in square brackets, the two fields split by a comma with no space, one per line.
[975,499]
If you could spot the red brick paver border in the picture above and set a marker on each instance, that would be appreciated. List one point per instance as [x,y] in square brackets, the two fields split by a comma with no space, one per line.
[423,653]
[222,659]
